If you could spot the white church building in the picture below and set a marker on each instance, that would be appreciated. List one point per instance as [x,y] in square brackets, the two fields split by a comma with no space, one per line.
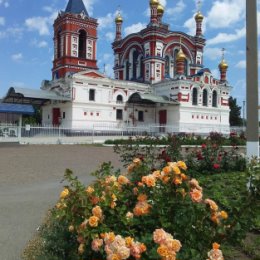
[159,81]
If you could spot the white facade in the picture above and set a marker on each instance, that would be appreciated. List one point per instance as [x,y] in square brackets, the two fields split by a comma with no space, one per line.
[100,101]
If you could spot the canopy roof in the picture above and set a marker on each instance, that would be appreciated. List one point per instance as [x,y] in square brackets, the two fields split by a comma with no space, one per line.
[31,96]
[16,109]
[147,98]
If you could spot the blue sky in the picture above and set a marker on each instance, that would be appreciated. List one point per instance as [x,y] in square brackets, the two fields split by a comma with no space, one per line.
[26,44]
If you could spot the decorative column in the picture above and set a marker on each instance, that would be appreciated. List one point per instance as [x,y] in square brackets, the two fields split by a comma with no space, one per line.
[118,21]
[154,16]
[223,66]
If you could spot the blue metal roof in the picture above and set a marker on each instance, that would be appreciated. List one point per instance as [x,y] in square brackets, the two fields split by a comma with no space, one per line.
[76,7]
[16,109]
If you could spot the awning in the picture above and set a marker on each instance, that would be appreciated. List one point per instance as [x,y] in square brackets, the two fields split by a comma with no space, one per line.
[31,96]
[16,109]
[147,98]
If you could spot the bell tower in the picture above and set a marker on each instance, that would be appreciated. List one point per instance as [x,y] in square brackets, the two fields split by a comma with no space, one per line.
[75,37]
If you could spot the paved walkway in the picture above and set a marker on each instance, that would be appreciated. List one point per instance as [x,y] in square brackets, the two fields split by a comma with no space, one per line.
[30,178]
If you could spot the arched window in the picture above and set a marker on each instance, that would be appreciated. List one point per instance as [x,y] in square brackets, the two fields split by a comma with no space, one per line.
[205,98]
[195,97]
[175,63]
[82,44]
[127,67]
[167,67]
[214,98]
[59,44]
[135,63]
[119,99]
[186,67]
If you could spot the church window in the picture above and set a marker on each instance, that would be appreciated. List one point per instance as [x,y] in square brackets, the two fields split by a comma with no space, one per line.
[205,98]
[186,67]
[64,115]
[82,44]
[214,98]
[127,67]
[195,97]
[158,52]
[59,45]
[119,114]
[147,52]
[135,63]
[147,71]
[140,116]
[92,95]
[167,66]
[119,99]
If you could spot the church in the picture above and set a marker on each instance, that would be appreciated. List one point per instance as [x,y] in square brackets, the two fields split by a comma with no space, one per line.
[159,77]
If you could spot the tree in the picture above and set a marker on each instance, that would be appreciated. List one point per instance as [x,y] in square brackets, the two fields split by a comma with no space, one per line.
[235,113]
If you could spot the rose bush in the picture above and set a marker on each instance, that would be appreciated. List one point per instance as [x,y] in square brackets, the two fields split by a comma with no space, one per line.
[140,214]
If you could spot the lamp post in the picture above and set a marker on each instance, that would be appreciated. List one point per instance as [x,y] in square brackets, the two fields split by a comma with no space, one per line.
[252,144]
[244,123]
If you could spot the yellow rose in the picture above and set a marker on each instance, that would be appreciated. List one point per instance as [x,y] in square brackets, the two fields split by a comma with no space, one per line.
[224,214]
[90,190]
[81,249]
[93,221]
[64,193]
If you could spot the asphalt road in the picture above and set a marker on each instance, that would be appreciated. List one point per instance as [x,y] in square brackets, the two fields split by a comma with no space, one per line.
[30,184]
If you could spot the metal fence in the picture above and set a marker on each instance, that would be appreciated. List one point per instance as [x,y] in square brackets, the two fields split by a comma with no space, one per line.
[100,132]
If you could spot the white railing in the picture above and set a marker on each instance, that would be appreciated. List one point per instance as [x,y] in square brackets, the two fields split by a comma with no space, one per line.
[101,132]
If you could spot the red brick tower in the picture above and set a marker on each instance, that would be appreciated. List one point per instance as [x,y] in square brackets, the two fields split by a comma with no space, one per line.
[75,36]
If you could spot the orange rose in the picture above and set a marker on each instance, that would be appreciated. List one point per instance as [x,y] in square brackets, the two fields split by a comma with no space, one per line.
[137,161]
[177,181]
[224,214]
[97,211]
[142,197]
[90,190]
[196,195]
[93,221]
[163,251]
[129,241]
[122,180]
[167,169]
[215,246]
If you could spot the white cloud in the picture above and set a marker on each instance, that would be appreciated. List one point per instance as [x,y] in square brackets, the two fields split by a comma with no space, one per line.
[180,6]
[212,53]
[2,21]
[225,13]
[39,44]
[110,36]
[106,21]
[17,57]
[224,37]
[89,6]
[5,3]
[215,73]
[241,64]
[15,32]
[40,24]
[134,28]
[190,24]
[107,57]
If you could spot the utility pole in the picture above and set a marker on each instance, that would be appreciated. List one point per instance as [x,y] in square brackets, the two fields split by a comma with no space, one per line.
[252,129]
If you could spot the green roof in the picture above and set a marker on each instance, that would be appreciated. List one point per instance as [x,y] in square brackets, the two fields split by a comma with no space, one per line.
[148,98]
[31,96]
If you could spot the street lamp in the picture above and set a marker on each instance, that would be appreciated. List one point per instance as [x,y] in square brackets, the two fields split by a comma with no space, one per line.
[252,143]
[244,123]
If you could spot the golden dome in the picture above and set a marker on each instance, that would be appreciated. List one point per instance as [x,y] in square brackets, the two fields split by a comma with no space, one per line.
[180,55]
[119,18]
[199,16]
[223,65]
[154,2]
[160,9]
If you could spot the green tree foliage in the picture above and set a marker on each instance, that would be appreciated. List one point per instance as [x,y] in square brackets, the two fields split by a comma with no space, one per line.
[235,113]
